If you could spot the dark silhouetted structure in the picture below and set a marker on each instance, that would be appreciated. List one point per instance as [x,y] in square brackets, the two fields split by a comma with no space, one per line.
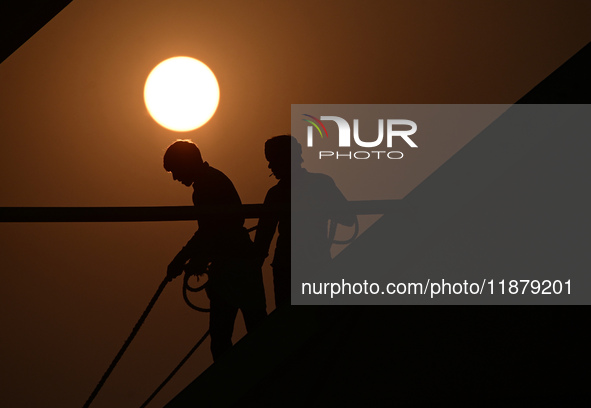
[221,247]
[314,199]
[423,356]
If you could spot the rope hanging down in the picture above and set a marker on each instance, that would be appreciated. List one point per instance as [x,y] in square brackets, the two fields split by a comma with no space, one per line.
[127,343]
[173,372]
[186,287]
[134,332]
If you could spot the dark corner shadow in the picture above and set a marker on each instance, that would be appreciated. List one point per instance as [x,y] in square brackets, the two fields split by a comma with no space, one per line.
[21,20]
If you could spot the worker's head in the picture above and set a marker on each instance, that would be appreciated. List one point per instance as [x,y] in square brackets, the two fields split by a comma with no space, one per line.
[183,160]
[283,153]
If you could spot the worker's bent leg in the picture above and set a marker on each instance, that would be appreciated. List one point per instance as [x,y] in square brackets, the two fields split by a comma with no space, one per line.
[282,285]
[221,324]
[250,294]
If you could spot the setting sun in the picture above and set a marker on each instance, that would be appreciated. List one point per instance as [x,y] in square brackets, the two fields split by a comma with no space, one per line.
[181,94]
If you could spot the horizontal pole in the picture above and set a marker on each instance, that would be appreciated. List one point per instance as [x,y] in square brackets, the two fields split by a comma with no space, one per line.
[169,213]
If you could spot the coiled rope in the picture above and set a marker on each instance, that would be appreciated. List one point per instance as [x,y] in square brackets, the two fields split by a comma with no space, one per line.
[188,288]
[332,229]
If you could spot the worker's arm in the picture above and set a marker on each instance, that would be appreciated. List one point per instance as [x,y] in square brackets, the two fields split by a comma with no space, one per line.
[175,268]
[266,229]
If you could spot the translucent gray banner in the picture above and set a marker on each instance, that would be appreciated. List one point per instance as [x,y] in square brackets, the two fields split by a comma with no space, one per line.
[440,204]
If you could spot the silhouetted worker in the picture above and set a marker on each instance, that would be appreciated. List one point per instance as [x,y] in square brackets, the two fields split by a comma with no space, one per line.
[314,199]
[221,246]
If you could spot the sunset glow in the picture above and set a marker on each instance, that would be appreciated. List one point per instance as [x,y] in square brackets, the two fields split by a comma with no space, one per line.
[181,94]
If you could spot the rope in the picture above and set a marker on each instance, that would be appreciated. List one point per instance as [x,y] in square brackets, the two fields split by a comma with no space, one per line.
[187,287]
[176,369]
[333,229]
[127,343]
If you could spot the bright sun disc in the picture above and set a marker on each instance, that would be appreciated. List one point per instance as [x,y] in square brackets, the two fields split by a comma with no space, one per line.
[181,94]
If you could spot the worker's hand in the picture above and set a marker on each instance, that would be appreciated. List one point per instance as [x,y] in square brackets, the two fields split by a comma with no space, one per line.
[196,266]
[175,268]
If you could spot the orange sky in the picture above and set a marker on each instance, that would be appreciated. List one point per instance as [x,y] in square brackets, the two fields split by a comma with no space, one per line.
[75,132]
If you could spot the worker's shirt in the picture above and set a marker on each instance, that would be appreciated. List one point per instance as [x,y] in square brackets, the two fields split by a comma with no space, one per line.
[221,228]
[303,233]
